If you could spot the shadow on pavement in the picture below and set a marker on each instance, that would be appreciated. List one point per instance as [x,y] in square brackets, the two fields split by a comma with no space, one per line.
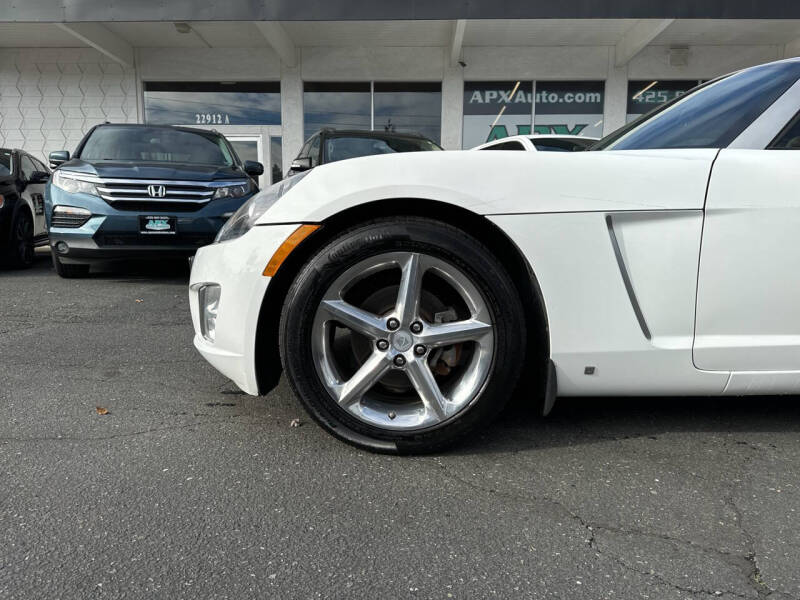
[577,421]
[123,271]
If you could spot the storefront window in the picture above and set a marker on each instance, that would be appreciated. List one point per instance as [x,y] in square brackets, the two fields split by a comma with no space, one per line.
[276,158]
[337,105]
[497,109]
[644,96]
[408,107]
[494,110]
[212,103]
[398,107]
[569,108]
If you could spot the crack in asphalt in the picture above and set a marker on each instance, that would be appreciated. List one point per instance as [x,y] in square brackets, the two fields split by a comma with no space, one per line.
[758,585]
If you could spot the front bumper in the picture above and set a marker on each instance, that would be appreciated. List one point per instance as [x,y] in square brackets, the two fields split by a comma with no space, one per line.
[236,266]
[112,234]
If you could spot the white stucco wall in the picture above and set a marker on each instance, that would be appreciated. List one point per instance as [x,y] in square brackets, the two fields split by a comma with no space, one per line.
[50,97]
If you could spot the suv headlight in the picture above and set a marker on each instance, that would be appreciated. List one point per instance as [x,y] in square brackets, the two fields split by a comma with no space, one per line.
[74,183]
[243,219]
[234,191]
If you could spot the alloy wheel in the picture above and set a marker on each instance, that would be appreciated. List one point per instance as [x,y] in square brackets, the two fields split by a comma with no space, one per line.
[403,340]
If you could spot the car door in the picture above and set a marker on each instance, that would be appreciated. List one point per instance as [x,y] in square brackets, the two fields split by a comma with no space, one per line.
[748,299]
[33,192]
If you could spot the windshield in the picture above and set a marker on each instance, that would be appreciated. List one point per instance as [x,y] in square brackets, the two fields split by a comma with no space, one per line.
[709,116]
[341,148]
[5,163]
[157,144]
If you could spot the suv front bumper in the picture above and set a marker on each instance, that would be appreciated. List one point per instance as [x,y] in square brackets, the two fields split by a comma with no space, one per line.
[113,234]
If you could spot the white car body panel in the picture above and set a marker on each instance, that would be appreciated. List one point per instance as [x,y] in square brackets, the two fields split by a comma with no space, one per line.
[541,182]
[592,323]
[748,305]
[237,266]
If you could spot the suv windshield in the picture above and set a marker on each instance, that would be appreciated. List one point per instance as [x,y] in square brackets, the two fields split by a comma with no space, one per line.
[157,144]
[5,163]
[341,148]
[709,116]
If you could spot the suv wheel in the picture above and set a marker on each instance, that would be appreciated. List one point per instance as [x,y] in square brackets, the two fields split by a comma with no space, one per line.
[69,271]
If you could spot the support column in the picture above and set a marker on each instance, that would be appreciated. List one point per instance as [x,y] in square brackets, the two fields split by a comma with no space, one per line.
[291,113]
[616,94]
[452,107]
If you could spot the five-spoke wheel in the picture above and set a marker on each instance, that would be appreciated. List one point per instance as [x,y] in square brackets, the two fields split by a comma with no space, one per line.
[408,335]
[402,335]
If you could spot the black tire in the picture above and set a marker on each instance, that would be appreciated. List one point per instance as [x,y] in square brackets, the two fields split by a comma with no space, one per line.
[69,271]
[20,244]
[419,235]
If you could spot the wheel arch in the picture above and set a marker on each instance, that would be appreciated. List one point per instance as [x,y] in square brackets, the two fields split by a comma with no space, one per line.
[533,381]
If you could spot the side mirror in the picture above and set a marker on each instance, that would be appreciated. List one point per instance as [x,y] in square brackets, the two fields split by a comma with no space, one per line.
[301,164]
[39,177]
[253,168]
[58,157]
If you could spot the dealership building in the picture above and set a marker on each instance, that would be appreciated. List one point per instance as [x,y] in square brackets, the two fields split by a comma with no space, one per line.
[269,73]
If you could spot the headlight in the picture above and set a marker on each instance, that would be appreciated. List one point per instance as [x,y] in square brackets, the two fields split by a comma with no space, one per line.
[233,191]
[74,183]
[244,218]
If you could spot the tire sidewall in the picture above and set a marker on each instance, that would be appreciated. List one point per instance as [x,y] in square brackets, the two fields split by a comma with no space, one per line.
[19,258]
[417,235]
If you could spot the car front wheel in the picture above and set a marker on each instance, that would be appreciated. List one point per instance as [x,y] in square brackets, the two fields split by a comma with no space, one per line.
[21,250]
[402,335]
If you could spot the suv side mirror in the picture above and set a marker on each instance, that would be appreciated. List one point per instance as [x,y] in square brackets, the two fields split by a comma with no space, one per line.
[39,177]
[253,168]
[301,164]
[58,157]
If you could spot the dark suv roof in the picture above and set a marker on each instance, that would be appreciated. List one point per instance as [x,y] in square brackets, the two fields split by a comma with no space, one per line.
[330,132]
[149,126]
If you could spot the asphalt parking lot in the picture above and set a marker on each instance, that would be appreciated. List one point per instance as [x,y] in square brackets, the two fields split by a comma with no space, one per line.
[188,488]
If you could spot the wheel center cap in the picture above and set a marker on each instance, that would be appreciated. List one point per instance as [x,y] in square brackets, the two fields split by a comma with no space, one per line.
[402,341]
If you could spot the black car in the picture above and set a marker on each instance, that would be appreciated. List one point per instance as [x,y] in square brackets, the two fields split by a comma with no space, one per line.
[22,224]
[331,145]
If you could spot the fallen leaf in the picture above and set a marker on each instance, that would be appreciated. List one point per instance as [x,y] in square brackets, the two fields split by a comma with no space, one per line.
[295,423]
[100,410]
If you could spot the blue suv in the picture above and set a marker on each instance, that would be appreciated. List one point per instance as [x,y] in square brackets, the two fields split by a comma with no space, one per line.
[142,191]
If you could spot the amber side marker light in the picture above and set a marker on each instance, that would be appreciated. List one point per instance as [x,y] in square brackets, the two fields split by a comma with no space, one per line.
[285,249]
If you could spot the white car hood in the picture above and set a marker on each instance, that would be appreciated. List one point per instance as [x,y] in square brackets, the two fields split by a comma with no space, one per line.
[502,182]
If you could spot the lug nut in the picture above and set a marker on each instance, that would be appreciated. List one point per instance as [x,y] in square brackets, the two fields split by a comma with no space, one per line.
[399,360]
[419,349]
[393,324]
[416,327]
[382,344]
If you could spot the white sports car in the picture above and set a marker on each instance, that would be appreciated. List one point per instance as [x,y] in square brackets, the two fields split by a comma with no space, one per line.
[408,296]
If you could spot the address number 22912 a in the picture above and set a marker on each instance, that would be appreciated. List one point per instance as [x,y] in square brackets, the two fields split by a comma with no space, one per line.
[212,119]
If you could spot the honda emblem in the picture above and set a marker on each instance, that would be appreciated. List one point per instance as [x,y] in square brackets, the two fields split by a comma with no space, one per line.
[156,191]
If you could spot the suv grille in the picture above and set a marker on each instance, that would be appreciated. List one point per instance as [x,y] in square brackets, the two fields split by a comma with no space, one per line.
[158,194]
